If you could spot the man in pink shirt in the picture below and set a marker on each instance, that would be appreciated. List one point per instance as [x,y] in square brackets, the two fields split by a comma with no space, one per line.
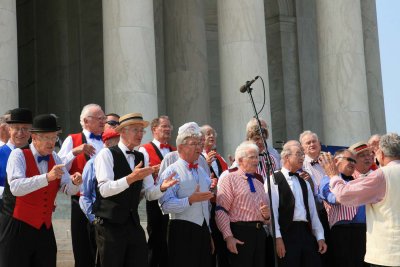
[242,210]
[380,192]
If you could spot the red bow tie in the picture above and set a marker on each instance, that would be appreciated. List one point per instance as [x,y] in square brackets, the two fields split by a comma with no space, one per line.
[165,146]
[193,166]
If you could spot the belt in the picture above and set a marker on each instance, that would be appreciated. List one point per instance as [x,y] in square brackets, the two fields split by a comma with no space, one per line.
[257,225]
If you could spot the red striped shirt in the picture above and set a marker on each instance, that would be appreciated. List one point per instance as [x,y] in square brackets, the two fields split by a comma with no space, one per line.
[238,203]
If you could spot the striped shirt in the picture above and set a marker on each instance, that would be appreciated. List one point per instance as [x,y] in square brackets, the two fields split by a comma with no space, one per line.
[262,165]
[315,170]
[235,202]
[336,211]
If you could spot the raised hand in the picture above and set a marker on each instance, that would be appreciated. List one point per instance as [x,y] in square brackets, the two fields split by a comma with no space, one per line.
[55,173]
[76,178]
[139,173]
[327,162]
[87,149]
[198,196]
[168,182]
[210,157]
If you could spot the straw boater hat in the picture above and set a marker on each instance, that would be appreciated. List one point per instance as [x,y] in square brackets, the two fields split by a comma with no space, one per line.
[359,147]
[45,123]
[130,119]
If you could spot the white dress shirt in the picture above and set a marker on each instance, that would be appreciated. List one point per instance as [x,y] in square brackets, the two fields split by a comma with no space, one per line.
[300,213]
[65,152]
[21,185]
[104,165]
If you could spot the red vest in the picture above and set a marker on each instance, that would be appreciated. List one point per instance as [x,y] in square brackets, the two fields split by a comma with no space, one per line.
[154,159]
[79,162]
[36,208]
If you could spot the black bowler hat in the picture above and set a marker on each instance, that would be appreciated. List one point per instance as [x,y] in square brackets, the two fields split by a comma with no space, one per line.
[20,115]
[45,123]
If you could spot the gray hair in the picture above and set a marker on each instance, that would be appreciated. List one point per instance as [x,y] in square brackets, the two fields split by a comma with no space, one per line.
[86,112]
[205,128]
[308,132]
[243,148]
[189,129]
[371,139]
[3,119]
[390,145]
[253,123]
[286,149]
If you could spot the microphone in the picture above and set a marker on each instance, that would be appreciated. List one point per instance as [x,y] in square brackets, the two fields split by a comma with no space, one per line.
[244,88]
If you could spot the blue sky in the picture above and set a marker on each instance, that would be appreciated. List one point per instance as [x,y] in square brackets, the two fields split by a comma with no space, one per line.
[389,45]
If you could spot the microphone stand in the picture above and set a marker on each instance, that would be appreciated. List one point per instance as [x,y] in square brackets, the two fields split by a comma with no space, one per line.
[270,169]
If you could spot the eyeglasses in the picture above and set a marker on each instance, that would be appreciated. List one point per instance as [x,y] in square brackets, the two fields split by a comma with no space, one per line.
[196,144]
[20,129]
[135,130]
[100,118]
[52,139]
[252,157]
[298,154]
[351,160]
[112,123]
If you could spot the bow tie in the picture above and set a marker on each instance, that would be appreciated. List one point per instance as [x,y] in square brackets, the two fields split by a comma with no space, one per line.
[347,178]
[128,152]
[41,158]
[193,166]
[250,181]
[165,146]
[313,162]
[93,136]
[294,174]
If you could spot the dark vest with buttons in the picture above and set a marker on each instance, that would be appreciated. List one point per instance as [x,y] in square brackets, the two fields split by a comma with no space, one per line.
[35,208]
[121,207]
[287,201]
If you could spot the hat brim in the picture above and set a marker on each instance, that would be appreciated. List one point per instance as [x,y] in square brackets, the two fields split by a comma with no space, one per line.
[144,124]
[18,121]
[45,130]
[361,150]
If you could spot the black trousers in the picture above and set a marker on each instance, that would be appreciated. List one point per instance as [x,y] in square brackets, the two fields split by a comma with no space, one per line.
[25,246]
[348,245]
[301,247]
[189,244]
[121,245]
[221,251]
[323,217]
[81,246]
[157,226]
[252,252]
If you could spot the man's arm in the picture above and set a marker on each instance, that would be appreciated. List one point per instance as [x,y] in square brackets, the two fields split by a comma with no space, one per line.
[87,198]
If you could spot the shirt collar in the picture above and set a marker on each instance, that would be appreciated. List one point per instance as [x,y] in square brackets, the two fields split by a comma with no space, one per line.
[156,142]
[285,172]
[10,145]
[34,151]
[123,147]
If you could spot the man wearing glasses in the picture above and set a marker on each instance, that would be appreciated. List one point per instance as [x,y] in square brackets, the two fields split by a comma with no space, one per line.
[19,124]
[112,121]
[34,176]
[75,151]
[347,239]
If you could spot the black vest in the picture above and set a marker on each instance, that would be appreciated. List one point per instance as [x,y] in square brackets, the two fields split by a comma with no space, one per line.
[121,207]
[287,201]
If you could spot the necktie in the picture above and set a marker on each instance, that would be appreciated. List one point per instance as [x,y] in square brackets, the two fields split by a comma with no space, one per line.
[313,162]
[165,146]
[41,158]
[193,166]
[294,174]
[93,136]
[250,181]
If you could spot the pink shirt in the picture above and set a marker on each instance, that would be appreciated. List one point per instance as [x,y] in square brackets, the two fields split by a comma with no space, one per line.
[238,202]
[366,190]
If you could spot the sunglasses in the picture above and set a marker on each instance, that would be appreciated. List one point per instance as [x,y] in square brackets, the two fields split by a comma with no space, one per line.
[112,123]
[348,159]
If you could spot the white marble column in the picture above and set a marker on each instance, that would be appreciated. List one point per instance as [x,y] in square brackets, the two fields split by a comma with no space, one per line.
[8,56]
[373,67]
[129,57]
[186,66]
[344,95]
[243,55]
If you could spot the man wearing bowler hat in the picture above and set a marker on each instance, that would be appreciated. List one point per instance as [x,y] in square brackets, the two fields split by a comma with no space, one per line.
[121,174]
[34,175]
[20,122]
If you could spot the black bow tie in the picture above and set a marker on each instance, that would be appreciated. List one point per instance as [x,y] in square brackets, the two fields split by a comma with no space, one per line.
[294,174]
[129,152]
[313,162]
[347,178]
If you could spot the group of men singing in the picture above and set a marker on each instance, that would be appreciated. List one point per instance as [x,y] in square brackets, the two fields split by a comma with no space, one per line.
[328,210]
